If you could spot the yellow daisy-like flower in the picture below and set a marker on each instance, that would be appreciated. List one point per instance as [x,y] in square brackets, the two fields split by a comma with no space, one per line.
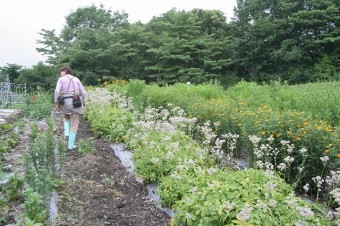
[338,155]
[263,133]
[327,151]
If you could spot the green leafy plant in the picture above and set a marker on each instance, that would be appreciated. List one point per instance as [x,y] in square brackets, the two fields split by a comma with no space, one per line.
[3,208]
[6,126]
[159,159]
[107,181]
[86,146]
[40,108]
[39,161]
[112,124]
[27,222]
[14,188]
[34,207]
[248,197]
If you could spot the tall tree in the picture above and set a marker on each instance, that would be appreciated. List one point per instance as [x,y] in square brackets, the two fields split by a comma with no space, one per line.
[85,25]
[12,70]
[284,38]
[40,76]
[185,43]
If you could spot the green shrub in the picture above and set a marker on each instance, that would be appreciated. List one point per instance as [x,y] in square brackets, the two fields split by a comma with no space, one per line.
[112,124]
[248,197]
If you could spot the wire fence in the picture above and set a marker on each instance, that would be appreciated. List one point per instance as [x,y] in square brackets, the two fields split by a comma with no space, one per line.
[12,93]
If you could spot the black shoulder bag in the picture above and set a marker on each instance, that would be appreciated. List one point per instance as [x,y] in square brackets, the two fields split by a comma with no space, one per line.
[76,98]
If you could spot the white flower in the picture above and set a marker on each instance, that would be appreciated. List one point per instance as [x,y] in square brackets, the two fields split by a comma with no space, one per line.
[212,184]
[300,223]
[211,170]
[262,206]
[154,160]
[305,211]
[270,186]
[193,190]
[270,139]
[306,187]
[336,195]
[281,166]
[229,206]
[272,203]
[259,164]
[285,142]
[169,155]
[188,216]
[180,167]
[289,159]
[244,214]
[303,151]
[300,169]
[254,139]
[191,162]
[324,159]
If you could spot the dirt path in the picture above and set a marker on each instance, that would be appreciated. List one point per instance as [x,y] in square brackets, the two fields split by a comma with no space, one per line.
[87,199]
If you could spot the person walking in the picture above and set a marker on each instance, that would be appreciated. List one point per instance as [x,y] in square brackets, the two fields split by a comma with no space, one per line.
[69,87]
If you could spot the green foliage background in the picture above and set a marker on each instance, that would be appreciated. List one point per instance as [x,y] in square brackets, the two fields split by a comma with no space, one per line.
[296,41]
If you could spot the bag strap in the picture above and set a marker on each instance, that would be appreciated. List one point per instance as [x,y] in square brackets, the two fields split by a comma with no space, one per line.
[68,87]
[74,90]
[69,83]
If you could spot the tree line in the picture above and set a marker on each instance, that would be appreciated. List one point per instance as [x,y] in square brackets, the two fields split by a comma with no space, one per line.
[293,40]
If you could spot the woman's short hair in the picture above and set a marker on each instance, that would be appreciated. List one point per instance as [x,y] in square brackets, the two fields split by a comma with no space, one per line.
[67,69]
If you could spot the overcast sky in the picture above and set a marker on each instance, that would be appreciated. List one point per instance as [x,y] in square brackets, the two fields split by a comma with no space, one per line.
[21,20]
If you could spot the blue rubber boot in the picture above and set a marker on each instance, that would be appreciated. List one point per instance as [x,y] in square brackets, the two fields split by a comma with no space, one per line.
[71,140]
[67,126]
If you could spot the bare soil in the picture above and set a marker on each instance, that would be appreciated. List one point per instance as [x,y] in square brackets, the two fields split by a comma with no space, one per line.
[86,199]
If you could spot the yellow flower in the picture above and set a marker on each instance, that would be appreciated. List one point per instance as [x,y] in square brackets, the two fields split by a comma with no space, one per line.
[338,155]
[330,145]
[298,138]
[327,151]
[263,133]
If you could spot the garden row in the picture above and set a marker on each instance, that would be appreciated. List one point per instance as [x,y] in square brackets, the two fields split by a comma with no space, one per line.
[25,196]
[305,115]
[181,155]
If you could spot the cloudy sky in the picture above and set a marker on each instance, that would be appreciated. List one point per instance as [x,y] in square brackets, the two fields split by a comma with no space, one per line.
[22,20]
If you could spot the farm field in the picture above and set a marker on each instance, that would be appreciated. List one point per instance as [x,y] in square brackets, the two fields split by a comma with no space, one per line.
[190,158]
[279,140]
